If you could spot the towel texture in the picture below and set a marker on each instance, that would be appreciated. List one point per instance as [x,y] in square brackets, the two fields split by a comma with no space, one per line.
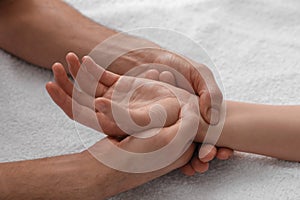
[256,48]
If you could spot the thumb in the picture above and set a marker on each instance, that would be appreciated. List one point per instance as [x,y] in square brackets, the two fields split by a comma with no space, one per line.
[210,106]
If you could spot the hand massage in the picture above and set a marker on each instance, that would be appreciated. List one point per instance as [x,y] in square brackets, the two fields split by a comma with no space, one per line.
[143,101]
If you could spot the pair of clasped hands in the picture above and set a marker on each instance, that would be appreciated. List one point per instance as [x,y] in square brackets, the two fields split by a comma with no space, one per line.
[154,99]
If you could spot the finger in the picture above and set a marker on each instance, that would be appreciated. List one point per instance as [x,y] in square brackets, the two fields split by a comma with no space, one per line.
[130,121]
[61,78]
[136,120]
[103,76]
[104,105]
[184,159]
[73,110]
[164,136]
[210,112]
[107,120]
[203,82]
[64,82]
[211,98]
[73,63]
[224,153]
[161,138]
[81,77]
[84,79]
[60,98]
[199,166]
[152,74]
[167,77]
[207,152]
[109,127]
[148,145]
[112,111]
[188,170]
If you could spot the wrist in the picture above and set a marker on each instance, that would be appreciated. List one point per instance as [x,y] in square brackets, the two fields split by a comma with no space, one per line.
[226,127]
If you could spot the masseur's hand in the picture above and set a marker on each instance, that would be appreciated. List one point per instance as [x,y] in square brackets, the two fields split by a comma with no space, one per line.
[194,73]
[62,92]
[112,182]
[112,114]
[198,75]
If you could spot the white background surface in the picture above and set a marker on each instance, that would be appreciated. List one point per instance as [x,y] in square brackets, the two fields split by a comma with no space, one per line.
[256,47]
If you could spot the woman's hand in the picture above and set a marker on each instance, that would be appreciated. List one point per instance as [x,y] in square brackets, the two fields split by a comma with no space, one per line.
[202,81]
[198,75]
[148,97]
[62,93]
[107,181]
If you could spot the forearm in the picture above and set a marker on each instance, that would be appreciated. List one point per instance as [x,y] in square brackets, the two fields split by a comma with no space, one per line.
[44,31]
[77,176]
[262,129]
[64,177]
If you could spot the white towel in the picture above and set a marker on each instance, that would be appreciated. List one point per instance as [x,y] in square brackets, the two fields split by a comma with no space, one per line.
[256,47]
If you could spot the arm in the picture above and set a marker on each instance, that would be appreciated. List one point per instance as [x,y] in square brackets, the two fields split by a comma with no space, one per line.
[43,31]
[53,178]
[77,176]
[262,129]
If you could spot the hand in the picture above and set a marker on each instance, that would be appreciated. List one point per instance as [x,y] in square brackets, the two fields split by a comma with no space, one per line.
[195,78]
[107,84]
[112,182]
[198,75]
[146,98]
[61,92]
[81,175]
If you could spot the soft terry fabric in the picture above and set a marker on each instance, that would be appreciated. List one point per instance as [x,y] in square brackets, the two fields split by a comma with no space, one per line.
[256,47]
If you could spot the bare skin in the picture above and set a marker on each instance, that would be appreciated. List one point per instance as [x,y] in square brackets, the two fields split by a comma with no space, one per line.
[78,176]
[85,104]
[276,131]
[13,20]
[42,31]
[262,129]
[53,178]
[33,29]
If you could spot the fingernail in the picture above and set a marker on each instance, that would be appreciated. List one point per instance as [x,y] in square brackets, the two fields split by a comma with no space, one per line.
[213,115]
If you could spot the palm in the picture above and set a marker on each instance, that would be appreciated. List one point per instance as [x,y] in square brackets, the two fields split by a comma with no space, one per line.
[119,100]
[198,76]
[80,105]
[148,103]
